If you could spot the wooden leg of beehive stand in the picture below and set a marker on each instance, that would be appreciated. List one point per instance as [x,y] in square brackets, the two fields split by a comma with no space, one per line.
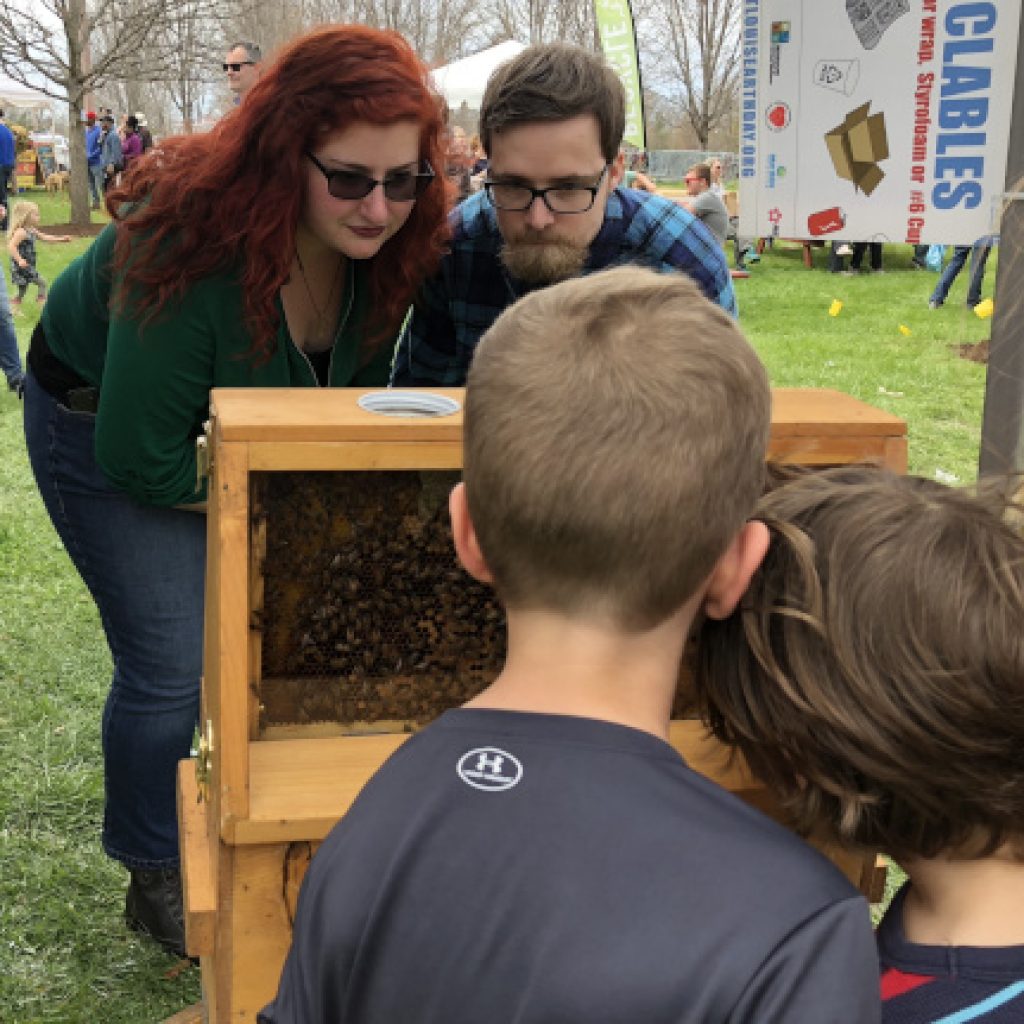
[197,863]
[253,931]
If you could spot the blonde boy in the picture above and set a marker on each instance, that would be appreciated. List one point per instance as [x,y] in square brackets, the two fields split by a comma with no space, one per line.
[543,854]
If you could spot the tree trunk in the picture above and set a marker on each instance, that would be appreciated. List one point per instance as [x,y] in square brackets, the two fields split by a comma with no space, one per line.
[79,164]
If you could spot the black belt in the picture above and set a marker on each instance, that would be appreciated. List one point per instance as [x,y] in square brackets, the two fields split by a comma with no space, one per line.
[57,379]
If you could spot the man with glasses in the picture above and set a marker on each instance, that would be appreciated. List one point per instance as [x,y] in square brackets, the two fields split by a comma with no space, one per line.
[705,204]
[242,65]
[551,123]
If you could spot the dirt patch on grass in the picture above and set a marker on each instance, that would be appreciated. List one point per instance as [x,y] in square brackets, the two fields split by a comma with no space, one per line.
[976,352]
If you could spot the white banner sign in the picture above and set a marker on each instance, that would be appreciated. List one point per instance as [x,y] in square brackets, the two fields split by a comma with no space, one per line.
[876,120]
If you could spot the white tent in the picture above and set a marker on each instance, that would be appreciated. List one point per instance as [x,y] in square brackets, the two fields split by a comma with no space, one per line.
[14,94]
[464,81]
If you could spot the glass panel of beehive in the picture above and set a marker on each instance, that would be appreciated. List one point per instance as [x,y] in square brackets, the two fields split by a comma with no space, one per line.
[362,619]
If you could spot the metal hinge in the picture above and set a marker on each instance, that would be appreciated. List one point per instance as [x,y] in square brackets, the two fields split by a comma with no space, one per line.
[204,457]
[204,762]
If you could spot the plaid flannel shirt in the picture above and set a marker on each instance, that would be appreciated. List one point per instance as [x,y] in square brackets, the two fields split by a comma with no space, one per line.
[471,288]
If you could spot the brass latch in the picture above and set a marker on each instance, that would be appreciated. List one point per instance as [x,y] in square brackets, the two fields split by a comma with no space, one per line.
[204,457]
[204,762]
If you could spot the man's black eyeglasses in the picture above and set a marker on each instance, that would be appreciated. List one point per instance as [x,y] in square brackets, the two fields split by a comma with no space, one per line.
[557,198]
[399,187]
[237,66]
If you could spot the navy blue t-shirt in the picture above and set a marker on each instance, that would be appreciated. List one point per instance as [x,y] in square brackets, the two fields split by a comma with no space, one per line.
[922,984]
[544,869]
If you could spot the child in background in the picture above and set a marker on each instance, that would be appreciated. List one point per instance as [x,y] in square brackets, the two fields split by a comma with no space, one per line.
[22,234]
[543,854]
[874,676]
[10,355]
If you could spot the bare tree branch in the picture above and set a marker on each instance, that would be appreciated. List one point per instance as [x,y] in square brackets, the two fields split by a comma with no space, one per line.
[696,46]
[67,49]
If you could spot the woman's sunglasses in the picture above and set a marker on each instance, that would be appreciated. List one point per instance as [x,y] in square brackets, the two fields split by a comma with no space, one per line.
[400,187]
[237,66]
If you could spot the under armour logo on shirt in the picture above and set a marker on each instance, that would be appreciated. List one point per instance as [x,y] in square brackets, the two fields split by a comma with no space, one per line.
[489,769]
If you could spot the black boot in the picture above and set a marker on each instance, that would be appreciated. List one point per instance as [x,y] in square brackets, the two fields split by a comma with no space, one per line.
[154,906]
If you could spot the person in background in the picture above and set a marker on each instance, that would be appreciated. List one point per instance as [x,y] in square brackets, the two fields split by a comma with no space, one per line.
[551,121]
[634,177]
[10,356]
[22,236]
[145,136]
[838,251]
[297,275]
[458,162]
[111,156]
[874,677]
[704,204]
[542,854]
[874,250]
[479,163]
[744,250]
[716,185]
[243,65]
[8,161]
[94,158]
[477,155]
[131,143]
[978,254]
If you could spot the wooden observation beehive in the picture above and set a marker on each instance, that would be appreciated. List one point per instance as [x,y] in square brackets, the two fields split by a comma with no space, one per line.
[337,622]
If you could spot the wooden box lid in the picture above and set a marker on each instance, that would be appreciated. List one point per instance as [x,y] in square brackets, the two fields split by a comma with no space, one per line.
[323,414]
[332,414]
[819,412]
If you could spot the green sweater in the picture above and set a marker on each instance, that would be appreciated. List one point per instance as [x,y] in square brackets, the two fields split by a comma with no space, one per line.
[155,381]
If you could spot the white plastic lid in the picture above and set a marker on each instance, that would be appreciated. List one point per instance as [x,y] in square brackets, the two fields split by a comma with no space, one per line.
[408,403]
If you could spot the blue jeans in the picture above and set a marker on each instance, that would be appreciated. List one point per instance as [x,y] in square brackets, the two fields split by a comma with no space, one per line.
[96,176]
[6,173]
[979,256]
[144,567]
[10,357]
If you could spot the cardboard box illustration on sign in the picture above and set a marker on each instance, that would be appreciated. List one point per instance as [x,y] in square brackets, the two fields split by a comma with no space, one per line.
[857,146]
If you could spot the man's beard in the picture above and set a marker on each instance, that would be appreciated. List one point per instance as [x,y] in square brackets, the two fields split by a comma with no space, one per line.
[543,262]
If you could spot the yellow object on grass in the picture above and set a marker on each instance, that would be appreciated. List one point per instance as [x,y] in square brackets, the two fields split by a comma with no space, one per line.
[904,329]
[836,308]
[984,309]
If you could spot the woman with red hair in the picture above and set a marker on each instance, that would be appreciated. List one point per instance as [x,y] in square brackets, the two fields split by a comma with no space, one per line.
[281,249]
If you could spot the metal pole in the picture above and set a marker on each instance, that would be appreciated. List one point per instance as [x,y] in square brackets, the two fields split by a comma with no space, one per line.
[1002,427]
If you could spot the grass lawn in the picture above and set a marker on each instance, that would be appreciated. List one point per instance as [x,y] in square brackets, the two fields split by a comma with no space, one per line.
[65,955]
[919,376]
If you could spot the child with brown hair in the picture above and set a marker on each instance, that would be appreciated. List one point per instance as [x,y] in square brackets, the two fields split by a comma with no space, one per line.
[543,854]
[874,677]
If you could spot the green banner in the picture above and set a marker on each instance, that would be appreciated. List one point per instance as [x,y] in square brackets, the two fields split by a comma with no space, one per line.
[618,40]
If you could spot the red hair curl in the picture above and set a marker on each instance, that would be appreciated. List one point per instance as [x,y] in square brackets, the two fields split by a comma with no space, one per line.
[198,204]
